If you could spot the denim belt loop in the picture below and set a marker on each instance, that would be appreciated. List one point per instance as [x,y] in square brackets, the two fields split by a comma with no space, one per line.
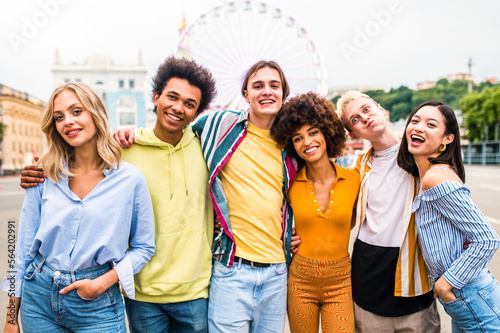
[239,262]
[41,263]
[73,277]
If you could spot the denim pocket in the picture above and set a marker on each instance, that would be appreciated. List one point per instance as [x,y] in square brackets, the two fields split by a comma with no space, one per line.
[30,273]
[491,296]
[220,270]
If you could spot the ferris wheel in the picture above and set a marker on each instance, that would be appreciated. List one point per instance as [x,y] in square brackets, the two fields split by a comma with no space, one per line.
[231,37]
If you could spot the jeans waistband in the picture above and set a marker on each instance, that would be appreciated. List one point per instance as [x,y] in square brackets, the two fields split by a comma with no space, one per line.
[481,274]
[42,265]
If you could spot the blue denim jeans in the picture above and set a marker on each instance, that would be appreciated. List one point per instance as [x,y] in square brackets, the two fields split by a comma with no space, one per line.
[246,299]
[477,307]
[43,309]
[189,316]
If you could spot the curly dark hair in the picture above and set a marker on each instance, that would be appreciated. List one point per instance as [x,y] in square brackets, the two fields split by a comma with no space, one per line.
[189,70]
[309,109]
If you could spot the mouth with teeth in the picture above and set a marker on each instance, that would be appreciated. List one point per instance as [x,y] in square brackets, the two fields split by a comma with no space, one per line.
[311,150]
[417,139]
[266,101]
[171,116]
[73,132]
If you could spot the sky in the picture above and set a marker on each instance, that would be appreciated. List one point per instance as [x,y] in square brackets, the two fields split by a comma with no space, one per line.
[362,42]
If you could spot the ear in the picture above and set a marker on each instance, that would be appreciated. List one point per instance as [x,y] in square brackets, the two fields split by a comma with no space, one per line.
[353,136]
[155,99]
[246,96]
[448,139]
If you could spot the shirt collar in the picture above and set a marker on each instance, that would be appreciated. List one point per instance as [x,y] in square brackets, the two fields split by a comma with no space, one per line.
[301,175]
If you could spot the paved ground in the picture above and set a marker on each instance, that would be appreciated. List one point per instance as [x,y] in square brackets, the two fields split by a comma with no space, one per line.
[484,182]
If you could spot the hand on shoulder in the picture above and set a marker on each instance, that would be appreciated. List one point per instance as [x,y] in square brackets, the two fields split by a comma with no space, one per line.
[437,175]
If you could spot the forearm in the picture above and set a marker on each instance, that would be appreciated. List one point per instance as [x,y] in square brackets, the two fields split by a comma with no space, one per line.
[11,319]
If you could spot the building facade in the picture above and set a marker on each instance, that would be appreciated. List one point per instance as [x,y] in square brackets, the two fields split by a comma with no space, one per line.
[21,116]
[122,87]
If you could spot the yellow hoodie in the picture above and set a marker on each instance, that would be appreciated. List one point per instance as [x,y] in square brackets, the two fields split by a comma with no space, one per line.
[177,178]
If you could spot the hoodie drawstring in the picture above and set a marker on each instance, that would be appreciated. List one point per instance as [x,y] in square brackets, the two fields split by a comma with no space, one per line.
[185,171]
[171,174]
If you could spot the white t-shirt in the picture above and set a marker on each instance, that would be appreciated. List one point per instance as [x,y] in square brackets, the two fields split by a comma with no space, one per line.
[387,189]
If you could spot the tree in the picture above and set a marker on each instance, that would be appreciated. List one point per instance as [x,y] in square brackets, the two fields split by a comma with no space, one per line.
[481,110]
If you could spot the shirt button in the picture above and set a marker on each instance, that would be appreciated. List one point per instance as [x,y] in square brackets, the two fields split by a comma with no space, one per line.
[310,183]
[331,201]
[312,192]
[76,222]
[328,210]
[57,273]
[314,200]
[318,209]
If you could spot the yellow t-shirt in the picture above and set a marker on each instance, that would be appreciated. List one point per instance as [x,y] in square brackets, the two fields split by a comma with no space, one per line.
[325,236]
[253,181]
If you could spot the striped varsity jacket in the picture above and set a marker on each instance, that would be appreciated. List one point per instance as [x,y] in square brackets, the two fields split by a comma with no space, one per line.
[220,134]
[411,273]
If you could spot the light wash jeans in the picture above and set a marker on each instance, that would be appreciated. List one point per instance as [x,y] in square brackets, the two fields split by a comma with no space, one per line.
[189,316]
[43,309]
[477,307]
[246,299]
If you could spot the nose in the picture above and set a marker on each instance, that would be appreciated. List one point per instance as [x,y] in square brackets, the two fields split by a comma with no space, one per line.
[69,119]
[177,106]
[267,89]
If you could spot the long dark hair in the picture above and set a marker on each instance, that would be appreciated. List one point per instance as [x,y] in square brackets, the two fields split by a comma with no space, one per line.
[453,153]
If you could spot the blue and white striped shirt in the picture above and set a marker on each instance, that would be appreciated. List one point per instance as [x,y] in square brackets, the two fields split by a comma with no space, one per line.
[446,216]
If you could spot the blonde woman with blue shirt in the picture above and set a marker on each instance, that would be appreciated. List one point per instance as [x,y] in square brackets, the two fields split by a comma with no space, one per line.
[446,217]
[87,227]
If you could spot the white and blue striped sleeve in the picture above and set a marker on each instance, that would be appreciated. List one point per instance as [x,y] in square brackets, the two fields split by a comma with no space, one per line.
[457,206]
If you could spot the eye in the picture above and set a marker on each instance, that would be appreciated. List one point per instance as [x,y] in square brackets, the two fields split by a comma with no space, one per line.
[190,105]
[172,97]
[77,111]
[413,121]
[58,118]
[354,120]
[314,132]
[431,125]
[296,139]
[366,109]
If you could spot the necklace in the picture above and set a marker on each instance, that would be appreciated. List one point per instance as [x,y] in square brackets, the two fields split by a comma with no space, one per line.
[324,181]
[391,153]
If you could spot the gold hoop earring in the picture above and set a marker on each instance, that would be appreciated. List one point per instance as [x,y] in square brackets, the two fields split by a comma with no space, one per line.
[443,148]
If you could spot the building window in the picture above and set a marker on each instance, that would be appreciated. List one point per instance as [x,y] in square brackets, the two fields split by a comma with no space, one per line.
[66,80]
[126,110]
[78,80]
[131,84]
[121,84]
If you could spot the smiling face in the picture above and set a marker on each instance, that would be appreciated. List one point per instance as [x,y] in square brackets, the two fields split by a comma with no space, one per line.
[265,95]
[74,123]
[175,108]
[425,132]
[364,118]
[309,143]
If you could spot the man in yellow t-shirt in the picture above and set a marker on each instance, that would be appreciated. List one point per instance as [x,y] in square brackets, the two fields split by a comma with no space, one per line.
[249,178]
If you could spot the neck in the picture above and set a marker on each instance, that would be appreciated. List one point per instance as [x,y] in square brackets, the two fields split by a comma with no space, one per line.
[320,170]
[385,141]
[171,138]
[264,123]
[86,157]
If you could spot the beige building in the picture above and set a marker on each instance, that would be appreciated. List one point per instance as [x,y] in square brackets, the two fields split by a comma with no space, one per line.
[21,117]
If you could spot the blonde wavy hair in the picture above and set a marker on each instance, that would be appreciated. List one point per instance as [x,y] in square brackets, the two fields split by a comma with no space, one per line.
[59,155]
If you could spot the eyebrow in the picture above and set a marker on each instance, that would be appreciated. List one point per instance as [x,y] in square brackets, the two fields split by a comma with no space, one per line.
[310,128]
[434,119]
[173,92]
[70,107]
[260,82]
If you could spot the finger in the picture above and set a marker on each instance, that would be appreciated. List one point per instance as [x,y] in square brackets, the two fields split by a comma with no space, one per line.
[131,138]
[72,286]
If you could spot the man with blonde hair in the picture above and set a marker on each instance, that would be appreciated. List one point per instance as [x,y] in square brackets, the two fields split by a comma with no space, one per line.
[391,291]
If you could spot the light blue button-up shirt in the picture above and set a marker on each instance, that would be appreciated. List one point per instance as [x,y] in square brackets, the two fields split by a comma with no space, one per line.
[73,233]
[446,216]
